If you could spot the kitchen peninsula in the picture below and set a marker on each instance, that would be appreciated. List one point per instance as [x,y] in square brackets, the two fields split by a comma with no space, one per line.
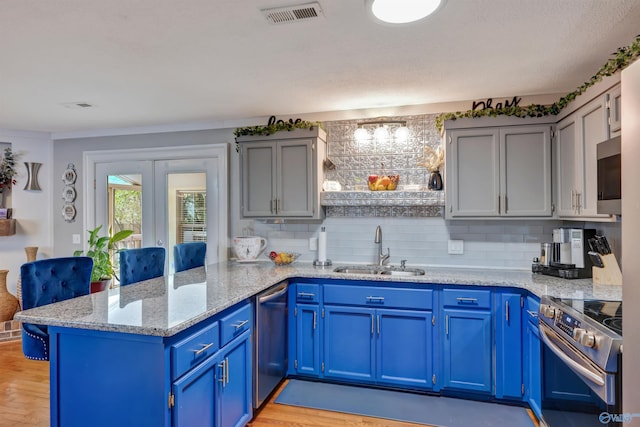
[120,357]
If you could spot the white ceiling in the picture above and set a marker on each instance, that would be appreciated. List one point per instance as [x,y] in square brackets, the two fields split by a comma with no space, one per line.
[165,62]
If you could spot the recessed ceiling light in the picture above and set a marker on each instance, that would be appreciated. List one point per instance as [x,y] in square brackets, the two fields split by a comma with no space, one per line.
[402,11]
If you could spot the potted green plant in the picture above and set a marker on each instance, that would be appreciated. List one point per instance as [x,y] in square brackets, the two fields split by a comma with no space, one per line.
[100,248]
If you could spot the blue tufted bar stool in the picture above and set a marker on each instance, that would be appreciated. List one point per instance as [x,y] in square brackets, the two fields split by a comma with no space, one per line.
[141,264]
[45,282]
[189,255]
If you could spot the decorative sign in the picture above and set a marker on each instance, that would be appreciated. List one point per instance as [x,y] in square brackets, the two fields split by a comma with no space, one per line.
[273,121]
[488,104]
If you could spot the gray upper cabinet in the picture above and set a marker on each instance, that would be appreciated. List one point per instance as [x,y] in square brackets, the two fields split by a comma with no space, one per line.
[499,172]
[614,100]
[578,136]
[472,173]
[281,174]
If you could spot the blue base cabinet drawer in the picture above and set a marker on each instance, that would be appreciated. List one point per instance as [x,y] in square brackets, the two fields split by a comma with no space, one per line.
[234,324]
[369,296]
[308,293]
[466,298]
[192,350]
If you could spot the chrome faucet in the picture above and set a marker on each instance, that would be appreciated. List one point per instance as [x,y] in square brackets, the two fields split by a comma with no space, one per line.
[382,258]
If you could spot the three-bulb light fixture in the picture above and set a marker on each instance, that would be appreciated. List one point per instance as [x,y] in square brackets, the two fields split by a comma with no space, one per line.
[381,133]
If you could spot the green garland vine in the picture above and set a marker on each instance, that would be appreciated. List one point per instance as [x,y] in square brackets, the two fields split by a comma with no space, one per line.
[274,127]
[621,59]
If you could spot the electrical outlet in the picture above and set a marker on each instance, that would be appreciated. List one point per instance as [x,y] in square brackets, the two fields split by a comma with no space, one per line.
[456,247]
[313,243]
[75,239]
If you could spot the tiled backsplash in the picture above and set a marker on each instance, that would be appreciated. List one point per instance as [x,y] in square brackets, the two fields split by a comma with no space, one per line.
[424,241]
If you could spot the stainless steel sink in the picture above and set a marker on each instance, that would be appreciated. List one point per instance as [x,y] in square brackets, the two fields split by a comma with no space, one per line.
[383,271]
[403,272]
[357,270]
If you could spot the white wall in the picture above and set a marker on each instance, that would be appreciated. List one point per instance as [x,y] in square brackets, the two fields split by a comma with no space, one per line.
[631,243]
[32,209]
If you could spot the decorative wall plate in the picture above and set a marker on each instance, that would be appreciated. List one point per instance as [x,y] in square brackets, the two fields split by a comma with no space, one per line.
[69,194]
[69,212]
[69,176]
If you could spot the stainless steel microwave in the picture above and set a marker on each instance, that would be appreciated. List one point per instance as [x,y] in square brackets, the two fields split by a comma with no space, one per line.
[609,176]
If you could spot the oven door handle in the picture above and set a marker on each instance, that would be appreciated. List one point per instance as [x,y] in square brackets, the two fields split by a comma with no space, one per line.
[588,374]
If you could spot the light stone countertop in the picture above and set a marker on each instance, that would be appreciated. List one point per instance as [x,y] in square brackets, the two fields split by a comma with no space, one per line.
[168,305]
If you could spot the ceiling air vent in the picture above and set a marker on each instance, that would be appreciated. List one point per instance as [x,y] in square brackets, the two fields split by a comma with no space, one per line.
[284,15]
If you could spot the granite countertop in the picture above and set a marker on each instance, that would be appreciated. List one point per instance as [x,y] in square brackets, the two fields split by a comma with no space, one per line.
[165,306]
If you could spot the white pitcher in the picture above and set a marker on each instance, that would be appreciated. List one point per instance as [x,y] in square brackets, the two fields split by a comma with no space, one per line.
[248,248]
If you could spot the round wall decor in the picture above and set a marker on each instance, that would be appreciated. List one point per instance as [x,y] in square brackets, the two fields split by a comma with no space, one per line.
[69,194]
[69,176]
[69,212]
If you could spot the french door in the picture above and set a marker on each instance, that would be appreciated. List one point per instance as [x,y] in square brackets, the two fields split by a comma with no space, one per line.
[164,200]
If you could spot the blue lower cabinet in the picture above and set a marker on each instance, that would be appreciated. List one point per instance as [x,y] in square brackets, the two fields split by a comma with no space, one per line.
[533,361]
[216,393]
[308,326]
[349,343]
[387,346]
[531,356]
[189,379]
[404,348]
[195,396]
[235,383]
[467,350]
[509,369]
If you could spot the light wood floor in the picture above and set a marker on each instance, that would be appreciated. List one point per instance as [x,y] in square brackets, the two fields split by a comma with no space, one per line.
[24,400]
[24,388]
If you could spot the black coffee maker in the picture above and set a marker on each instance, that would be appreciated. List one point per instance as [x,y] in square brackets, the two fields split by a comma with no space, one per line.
[568,255]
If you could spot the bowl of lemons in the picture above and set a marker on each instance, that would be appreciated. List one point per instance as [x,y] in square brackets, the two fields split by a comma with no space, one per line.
[283,258]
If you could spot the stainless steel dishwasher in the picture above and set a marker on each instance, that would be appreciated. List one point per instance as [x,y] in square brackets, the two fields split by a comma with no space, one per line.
[270,342]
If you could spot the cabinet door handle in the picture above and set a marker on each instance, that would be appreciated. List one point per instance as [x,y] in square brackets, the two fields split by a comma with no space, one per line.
[277,205]
[222,378]
[506,311]
[375,299]
[467,300]
[372,324]
[378,324]
[446,325]
[226,368]
[204,348]
[532,314]
[240,324]
[315,315]
[498,203]
[579,201]
[506,204]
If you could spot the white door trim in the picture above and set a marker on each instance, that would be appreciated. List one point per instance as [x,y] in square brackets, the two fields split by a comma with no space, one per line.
[217,151]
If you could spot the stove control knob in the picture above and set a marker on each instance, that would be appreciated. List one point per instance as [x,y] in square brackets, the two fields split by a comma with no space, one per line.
[547,311]
[588,339]
[578,333]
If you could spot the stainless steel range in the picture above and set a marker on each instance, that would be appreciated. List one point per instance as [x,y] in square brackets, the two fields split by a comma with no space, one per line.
[586,335]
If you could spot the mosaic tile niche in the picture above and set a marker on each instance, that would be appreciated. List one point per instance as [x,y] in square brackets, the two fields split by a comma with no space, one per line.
[356,160]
